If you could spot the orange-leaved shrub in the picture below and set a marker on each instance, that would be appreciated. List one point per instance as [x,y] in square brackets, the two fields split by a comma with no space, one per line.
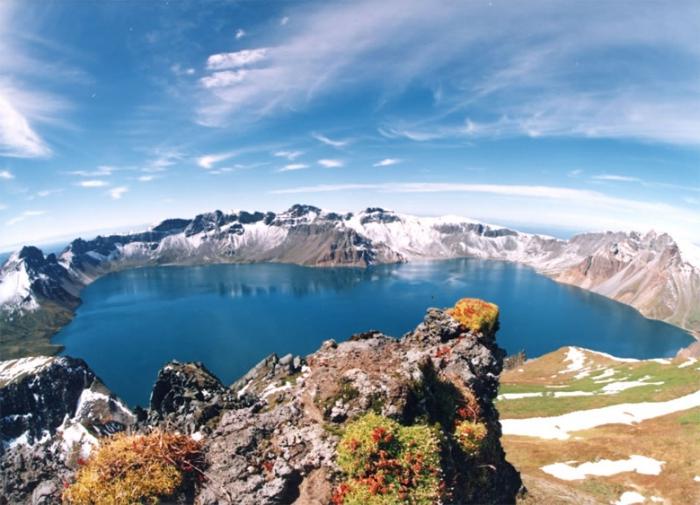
[475,314]
[136,469]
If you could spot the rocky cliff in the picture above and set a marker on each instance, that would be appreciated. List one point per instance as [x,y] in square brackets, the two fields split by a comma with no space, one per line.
[289,431]
[38,293]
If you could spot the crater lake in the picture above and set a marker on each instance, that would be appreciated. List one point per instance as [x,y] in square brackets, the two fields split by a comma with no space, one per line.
[232,316]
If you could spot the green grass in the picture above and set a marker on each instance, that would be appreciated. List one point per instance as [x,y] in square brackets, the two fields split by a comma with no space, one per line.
[30,333]
[676,382]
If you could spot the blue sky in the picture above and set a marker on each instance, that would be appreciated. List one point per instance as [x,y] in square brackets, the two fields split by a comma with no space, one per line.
[553,116]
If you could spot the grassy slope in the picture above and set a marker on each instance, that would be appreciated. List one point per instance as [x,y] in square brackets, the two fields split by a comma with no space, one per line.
[674,438]
[30,333]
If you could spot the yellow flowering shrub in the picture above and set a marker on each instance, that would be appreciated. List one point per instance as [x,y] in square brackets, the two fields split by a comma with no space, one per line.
[475,314]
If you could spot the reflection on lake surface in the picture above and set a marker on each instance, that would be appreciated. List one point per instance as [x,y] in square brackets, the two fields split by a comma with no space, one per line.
[232,316]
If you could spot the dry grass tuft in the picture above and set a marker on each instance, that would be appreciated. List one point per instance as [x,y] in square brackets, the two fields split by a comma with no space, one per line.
[136,469]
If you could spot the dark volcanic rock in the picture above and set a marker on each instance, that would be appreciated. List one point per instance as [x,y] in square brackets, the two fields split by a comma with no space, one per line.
[186,397]
[52,410]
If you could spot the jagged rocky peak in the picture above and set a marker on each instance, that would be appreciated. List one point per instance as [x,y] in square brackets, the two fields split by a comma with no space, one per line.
[175,225]
[53,411]
[298,214]
[28,277]
[378,215]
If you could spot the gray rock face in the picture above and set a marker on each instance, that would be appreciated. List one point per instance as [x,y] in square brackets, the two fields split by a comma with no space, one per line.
[187,397]
[282,448]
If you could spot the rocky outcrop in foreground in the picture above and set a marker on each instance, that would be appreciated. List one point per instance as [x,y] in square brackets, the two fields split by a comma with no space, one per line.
[290,429]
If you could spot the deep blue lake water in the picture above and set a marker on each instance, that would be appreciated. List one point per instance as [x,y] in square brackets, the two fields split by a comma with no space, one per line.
[231,316]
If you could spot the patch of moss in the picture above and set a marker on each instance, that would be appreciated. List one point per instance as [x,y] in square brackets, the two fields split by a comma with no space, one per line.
[386,463]
[470,436]
[131,470]
[475,314]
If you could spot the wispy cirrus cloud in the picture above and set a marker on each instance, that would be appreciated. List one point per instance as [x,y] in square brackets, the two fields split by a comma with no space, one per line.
[225,61]
[337,143]
[100,171]
[387,162]
[162,159]
[17,136]
[93,183]
[532,79]
[27,214]
[118,192]
[330,163]
[209,160]
[615,178]
[290,155]
[26,107]
[290,167]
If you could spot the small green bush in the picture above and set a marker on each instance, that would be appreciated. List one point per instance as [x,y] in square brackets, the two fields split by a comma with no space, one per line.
[387,463]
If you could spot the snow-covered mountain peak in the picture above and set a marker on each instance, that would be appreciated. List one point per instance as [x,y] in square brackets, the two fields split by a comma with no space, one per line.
[16,284]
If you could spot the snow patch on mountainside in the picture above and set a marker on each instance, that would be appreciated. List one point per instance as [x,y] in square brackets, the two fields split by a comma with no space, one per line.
[15,284]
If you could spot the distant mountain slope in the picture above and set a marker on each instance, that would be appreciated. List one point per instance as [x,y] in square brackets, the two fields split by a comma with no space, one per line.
[647,271]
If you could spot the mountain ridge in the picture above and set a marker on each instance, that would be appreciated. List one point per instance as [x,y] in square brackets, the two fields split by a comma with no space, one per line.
[646,271]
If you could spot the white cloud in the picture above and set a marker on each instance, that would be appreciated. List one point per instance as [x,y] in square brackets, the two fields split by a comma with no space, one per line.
[146,178]
[223,79]
[6,174]
[284,20]
[223,61]
[330,142]
[328,163]
[240,33]
[100,171]
[93,183]
[48,192]
[163,159]
[17,137]
[209,160]
[290,155]
[615,178]
[387,162]
[530,76]
[24,215]
[118,192]
[179,70]
[293,166]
